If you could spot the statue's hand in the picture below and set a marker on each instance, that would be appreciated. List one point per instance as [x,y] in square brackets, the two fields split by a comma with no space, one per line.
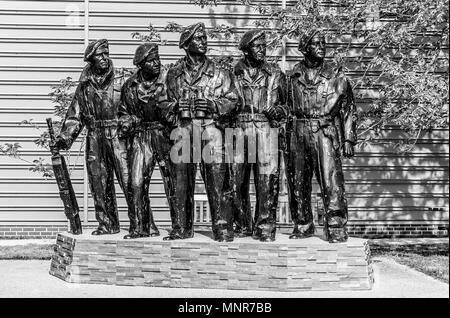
[274,113]
[59,143]
[348,149]
[125,124]
[204,105]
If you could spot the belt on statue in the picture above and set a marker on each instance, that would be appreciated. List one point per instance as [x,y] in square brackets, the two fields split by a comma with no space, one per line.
[149,125]
[252,117]
[315,121]
[106,123]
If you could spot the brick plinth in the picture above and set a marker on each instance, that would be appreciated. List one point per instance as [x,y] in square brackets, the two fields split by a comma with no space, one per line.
[200,262]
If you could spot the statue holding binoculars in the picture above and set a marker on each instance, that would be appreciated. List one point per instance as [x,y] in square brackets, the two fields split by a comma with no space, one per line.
[201,97]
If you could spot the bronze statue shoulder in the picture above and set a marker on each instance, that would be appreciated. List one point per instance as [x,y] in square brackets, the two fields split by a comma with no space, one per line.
[297,70]
[238,67]
[176,69]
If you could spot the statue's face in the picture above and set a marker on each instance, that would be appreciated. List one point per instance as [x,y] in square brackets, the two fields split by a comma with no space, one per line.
[316,48]
[151,65]
[100,59]
[257,49]
[198,44]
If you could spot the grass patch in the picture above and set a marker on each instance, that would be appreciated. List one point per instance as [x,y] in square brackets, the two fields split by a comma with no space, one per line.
[434,265]
[27,252]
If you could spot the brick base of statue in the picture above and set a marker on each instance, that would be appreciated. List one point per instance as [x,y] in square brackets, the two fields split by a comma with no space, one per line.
[200,262]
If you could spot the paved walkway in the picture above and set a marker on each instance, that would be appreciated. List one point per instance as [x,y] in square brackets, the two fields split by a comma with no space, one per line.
[31,279]
[25,242]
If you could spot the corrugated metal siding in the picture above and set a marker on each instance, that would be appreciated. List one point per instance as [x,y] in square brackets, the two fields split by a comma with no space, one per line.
[38,49]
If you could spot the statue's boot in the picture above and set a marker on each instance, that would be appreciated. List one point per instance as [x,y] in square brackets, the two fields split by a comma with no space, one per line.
[179,234]
[336,234]
[242,232]
[103,231]
[222,235]
[265,233]
[302,231]
[132,235]
[154,230]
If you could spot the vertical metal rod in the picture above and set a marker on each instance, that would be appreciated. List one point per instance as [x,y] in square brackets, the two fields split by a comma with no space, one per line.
[85,176]
[86,23]
[283,57]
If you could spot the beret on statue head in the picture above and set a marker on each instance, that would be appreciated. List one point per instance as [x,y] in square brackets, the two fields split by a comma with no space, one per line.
[189,31]
[306,37]
[249,37]
[143,51]
[92,47]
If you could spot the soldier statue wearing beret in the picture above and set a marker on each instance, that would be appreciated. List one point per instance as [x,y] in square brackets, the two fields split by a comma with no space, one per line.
[143,98]
[95,106]
[200,94]
[322,126]
[261,87]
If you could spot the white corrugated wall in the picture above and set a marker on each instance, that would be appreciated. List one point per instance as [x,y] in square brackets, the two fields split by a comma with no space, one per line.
[43,41]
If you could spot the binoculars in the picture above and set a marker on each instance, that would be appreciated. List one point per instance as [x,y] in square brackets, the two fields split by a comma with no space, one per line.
[190,95]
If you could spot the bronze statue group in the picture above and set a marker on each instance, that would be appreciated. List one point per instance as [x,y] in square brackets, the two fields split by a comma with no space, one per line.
[131,123]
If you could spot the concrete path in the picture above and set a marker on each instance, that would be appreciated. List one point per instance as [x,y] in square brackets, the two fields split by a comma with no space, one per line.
[26,242]
[31,279]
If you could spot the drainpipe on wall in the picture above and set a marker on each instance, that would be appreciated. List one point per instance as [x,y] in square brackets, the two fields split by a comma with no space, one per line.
[283,50]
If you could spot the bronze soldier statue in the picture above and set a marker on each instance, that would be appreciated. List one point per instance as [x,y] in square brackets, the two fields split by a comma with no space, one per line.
[143,100]
[95,106]
[322,125]
[262,90]
[201,95]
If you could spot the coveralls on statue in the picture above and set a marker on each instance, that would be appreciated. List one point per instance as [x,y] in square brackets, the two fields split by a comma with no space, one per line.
[143,97]
[262,90]
[322,125]
[95,106]
[201,94]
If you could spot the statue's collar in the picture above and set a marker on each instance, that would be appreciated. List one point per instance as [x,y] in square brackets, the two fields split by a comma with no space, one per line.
[207,68]
[137,78]
[242,65]
[326,71]
[88,76]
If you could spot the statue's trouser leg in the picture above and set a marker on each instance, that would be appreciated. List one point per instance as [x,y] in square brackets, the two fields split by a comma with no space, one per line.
[299,161]
[331,178]
[160,143]
[240,169]
[242,213]
[118,152]
[101,181]
[266,172]
[142,163]
[184,172]
[215,174]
